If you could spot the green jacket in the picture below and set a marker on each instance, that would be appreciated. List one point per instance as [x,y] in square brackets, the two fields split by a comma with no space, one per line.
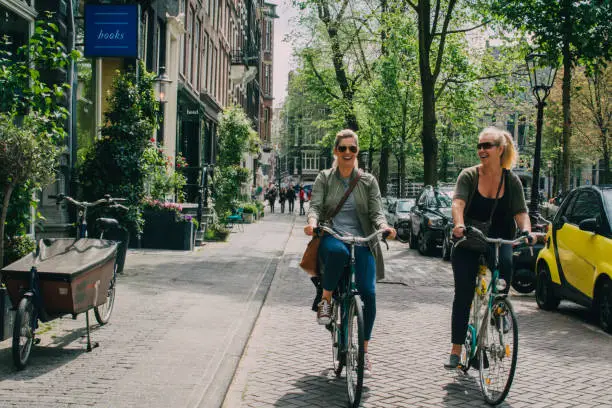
[327,192]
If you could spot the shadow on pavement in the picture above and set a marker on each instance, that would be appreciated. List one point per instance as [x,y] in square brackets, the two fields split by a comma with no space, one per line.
[324,390]
[43,360]
[465,391]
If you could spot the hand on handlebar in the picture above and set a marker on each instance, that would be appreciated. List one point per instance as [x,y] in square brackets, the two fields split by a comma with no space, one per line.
[390,232]
[458,231]
[309,229]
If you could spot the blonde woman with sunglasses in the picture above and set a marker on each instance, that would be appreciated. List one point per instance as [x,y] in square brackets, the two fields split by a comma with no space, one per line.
[360,215]
[477,190]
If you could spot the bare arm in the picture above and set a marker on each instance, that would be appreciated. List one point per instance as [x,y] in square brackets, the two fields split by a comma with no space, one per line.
[457,210]
[523,222]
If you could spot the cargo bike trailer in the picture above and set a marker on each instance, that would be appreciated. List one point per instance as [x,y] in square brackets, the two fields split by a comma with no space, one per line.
[63,276]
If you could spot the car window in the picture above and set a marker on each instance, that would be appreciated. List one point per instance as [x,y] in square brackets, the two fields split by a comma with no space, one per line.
[608,198]
[585,206]
[404,206]
[423,199]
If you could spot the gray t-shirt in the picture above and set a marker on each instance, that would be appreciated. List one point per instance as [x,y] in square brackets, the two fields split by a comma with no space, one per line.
[347,220]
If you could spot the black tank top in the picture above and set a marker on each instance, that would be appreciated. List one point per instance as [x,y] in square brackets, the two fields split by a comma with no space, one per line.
[502,223]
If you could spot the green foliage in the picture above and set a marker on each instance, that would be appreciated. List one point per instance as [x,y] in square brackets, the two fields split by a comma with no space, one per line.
[115,165]
[161,180]
[249,208]
[236,138]
[17,247]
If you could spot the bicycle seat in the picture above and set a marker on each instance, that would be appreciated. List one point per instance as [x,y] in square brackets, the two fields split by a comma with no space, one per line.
[107,222]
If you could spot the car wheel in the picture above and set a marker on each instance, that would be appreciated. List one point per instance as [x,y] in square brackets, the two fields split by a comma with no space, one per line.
[422,244]
[604,306]
[523,281]
[446,248]
[545,294]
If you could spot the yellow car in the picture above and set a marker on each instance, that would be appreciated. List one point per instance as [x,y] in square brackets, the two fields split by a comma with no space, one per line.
[576,262]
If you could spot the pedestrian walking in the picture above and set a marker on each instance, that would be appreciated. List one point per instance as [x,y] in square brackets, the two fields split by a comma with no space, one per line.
[490,194]
[302,196]
[291,198]
[282,196]
[272,198]
[360,214]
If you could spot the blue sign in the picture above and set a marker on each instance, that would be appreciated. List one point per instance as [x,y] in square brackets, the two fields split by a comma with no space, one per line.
[111,31]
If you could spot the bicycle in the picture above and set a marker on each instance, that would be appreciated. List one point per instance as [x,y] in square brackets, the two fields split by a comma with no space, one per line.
[347,325]
[492,336]
[63,276]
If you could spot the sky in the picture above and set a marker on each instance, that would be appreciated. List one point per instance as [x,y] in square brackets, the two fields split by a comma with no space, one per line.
[283,61]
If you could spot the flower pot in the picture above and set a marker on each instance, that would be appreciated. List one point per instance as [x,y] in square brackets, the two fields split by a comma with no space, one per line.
[249,218]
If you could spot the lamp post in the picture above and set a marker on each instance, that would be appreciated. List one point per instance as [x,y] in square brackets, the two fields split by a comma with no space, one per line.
[541,77]
[162,82]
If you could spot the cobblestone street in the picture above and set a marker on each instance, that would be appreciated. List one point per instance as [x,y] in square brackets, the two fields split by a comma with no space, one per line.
[564,361]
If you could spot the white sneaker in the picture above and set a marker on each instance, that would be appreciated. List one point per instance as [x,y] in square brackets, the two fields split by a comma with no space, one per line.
[367,366]
[324,312]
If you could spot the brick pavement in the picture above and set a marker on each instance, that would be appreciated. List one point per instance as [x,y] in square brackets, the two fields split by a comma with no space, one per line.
[180,322]
[564,361]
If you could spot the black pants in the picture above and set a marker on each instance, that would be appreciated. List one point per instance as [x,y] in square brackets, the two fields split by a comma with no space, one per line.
[465,268]
[291,202]
[282,204]
[302,211]
[271,205]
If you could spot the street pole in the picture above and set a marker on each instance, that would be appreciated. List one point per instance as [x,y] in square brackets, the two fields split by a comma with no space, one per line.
[535,181]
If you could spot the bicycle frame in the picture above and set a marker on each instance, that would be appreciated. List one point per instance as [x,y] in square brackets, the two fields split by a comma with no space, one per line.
[347,289]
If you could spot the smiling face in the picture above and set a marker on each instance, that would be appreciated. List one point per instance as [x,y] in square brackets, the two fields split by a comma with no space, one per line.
[346,152]
[489,149]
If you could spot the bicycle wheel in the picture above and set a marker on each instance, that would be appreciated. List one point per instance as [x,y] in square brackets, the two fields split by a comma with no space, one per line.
[23,333]
[498,351]
[355,352]
[103,312]
[337,344]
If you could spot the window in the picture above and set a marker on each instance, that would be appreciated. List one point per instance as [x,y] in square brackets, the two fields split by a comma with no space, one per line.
[267,70]
[196,56]
[204,64]
[268,36]
[144,30]
[310,160]
[586,206]
[187,52]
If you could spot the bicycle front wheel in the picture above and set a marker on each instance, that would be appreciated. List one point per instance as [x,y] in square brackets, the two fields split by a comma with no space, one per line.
[355,352]
[104,311]
[23,333]
[337,344]
[498,351]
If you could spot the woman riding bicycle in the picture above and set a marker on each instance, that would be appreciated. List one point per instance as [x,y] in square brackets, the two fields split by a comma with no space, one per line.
[475,199]
[360,215]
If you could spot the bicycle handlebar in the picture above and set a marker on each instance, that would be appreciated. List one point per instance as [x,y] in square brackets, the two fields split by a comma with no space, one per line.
[107,199]
[351,239]
[524,240]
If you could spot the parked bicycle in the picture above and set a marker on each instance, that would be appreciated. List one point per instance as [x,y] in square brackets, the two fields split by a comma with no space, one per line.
[347,326]
[491,344]
[63,276]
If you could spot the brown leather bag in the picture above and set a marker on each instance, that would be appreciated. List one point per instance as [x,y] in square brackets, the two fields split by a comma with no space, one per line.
[310,257]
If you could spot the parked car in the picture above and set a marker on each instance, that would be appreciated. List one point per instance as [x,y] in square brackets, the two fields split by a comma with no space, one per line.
[428,220]
[399,215]
[575,263]
[387,202]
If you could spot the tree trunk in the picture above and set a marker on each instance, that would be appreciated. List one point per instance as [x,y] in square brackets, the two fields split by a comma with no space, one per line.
[566,98]
[8,191]
[383,175]
[350,119]
[428,133]
[606,159]
[371,153]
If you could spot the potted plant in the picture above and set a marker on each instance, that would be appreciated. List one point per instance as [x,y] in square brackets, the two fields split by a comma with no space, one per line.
[249,210]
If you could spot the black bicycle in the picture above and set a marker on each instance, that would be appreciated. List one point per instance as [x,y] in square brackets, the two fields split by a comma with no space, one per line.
[347,326]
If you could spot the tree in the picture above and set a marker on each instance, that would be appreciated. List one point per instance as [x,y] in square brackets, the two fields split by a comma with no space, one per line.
[26,157]
[593,116]
[577,30]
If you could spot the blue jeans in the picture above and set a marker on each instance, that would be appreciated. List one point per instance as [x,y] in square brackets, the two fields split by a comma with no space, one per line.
[334,254]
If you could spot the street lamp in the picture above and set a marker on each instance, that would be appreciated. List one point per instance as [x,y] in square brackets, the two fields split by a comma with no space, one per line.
[542,71]
[162,83]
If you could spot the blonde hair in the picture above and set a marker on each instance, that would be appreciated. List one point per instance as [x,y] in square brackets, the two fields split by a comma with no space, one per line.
[345,134]
[509,156]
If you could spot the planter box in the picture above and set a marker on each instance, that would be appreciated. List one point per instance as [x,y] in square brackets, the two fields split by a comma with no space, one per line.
[249,218]
[161,231]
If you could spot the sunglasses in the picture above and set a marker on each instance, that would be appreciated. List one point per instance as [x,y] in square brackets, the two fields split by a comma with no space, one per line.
[486,145]
[342,148]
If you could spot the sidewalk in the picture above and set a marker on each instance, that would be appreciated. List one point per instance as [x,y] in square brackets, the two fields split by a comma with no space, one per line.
[177,332]
[288,358]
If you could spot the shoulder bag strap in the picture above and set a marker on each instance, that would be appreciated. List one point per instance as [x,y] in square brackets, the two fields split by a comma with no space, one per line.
[501,182]
[347,193]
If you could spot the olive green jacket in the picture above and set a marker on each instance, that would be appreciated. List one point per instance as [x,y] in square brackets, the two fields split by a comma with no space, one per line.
[327,192]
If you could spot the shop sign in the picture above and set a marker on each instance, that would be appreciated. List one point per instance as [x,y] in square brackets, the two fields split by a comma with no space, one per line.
[111,30]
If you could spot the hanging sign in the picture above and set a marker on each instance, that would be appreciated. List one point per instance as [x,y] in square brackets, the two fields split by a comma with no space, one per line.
[111,31]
